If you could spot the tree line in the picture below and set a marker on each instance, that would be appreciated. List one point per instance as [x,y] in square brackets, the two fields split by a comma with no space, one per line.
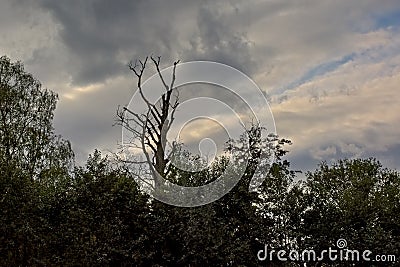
[54,213]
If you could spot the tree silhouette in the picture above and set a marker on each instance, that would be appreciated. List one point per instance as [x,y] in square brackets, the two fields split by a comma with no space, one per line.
[150,129]
[96,215]
[35,164]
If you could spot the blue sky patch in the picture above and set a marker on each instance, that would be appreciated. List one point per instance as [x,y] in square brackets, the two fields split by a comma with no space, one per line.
[319,70]
[388,19]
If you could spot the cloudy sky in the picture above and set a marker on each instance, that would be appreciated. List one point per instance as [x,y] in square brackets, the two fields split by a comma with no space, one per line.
[331,68]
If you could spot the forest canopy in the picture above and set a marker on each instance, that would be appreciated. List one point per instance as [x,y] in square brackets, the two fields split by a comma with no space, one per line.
[55,213]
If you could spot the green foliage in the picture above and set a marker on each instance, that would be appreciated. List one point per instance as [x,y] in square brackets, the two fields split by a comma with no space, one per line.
[102,220]
[357,200]
[26,130]
[229,231]
[34,163]
[52,214]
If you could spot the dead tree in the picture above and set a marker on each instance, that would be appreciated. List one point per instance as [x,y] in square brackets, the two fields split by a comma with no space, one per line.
[150,129]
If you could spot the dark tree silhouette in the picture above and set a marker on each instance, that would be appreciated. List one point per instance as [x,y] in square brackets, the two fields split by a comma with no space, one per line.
[150,129]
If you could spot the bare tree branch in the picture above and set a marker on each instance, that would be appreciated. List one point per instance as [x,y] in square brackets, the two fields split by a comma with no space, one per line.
[150,129]
[157,64]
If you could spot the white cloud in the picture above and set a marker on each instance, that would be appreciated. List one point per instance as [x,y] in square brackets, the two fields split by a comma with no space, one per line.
[352,149]
[354,107]
[321,154]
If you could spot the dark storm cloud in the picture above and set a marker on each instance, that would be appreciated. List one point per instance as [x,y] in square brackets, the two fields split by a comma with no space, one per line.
[102,36]
[218,41]
[97,33]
